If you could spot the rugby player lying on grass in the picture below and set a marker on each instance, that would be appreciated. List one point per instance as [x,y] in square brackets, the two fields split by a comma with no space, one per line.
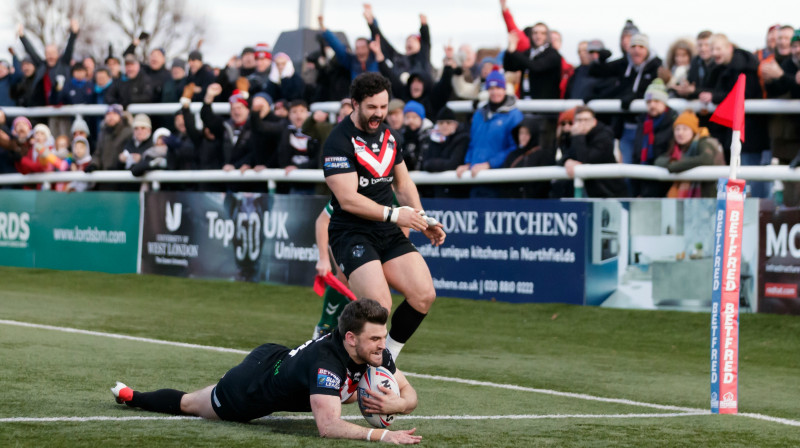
[317,376]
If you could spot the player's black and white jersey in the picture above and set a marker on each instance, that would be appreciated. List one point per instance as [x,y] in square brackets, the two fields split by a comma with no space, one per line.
[372,157]
[316,367]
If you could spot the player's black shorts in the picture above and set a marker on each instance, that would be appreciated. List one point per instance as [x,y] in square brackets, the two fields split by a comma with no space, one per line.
[236,397]
[354,248]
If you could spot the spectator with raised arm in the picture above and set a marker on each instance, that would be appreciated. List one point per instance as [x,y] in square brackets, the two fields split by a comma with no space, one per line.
[540,64]
[56,67]
[730,62]
[200,75]
[155,67]
[9,76]
[235,133]
[639,69]
[523,40]
[361,61]
[417,58]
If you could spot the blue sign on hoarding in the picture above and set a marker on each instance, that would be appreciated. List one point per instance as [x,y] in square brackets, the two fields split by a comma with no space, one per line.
[508,250]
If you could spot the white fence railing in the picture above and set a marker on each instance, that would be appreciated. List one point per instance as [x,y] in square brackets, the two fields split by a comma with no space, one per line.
[773,106]
[508,175]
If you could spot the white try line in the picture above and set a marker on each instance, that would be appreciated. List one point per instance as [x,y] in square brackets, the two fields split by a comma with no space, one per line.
[103,418]
[683,410]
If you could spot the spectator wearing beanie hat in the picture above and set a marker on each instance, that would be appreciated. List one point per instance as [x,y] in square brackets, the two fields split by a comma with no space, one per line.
[416,128]
[259,77]
[691,147]
[627,79]
[491,135]
[139,142]
[200,75]
[115,132]
[653,136]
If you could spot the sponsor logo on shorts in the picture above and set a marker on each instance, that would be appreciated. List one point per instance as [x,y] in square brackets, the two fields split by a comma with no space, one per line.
[358,251]
[328,380]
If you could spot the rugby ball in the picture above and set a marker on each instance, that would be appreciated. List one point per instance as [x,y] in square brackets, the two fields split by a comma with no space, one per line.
[368,386]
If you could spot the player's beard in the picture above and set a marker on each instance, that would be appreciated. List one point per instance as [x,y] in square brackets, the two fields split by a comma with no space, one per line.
[369,123]
[367,356]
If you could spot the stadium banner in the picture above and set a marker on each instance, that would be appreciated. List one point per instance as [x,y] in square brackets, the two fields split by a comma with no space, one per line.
[509,250]
[95,231]
[779,255]
[728,370]
[17,209]
[88,232]
[666,255]
[236,236]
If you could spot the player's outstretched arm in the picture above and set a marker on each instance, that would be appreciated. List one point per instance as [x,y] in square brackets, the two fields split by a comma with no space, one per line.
[327,411]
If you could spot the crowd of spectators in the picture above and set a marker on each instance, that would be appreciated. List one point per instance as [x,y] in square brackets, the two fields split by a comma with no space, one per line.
[270,124]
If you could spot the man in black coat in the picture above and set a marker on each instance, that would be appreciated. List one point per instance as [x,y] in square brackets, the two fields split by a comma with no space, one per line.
[137,88]
[730,63]
[540,65]
[592,142]
[444,150]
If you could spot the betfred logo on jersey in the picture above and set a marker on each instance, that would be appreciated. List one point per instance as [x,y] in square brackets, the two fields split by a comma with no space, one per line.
[334,162]
[328,380]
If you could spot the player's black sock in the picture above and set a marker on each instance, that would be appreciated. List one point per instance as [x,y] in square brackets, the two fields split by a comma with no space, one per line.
[166,401]
[405,322]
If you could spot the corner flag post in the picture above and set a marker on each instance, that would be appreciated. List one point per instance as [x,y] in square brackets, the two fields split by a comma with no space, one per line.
[727,262]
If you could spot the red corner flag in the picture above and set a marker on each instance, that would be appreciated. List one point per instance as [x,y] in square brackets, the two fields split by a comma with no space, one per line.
[730,112]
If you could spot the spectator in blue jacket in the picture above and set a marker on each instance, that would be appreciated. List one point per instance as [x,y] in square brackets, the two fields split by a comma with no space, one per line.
[8,79]
[491,134]
[362,61]
[79,89]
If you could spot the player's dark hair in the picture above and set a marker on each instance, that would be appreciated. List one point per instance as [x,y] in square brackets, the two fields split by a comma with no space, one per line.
[368,84]
[358,313]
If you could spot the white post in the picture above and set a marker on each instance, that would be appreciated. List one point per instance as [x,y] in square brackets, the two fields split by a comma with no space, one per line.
[736,153]
[308,12]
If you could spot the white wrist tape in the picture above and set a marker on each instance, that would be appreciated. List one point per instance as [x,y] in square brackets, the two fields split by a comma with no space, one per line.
[387,213]
[395,215]
[369,434]
[383,435]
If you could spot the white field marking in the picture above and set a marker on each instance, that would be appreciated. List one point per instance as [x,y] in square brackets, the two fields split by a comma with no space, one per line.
[768,418]
[354,417]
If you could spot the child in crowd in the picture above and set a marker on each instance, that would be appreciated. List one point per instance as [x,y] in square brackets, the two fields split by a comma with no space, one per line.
[44,148]
[82,162]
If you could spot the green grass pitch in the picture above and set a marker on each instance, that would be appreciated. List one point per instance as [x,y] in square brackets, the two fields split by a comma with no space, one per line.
[584,376]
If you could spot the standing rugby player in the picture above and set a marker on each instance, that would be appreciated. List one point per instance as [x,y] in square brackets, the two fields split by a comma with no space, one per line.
[361,161]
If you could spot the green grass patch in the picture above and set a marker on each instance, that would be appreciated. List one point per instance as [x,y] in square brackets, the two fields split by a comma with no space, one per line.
[646,356]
